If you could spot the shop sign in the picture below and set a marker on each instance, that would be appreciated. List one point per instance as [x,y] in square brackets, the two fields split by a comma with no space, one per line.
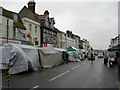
[3,41]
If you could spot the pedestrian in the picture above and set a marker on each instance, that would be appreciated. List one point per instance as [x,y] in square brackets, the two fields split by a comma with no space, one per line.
[65,57]
[91,57]
[85,56]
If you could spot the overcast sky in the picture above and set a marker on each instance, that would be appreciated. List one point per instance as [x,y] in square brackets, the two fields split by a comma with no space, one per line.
[96,20]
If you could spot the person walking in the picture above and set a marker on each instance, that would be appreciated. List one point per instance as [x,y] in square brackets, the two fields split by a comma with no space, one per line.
[91,57]
[65,57]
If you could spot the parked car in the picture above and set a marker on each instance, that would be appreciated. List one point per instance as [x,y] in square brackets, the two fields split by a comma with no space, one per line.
[100,55]
[89,56]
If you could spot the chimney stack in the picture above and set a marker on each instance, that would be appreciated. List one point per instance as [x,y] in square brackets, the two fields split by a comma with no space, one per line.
[46,12]
[31,5]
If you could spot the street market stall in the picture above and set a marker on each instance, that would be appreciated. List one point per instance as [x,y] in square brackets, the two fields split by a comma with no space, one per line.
[15,57]
[64,54]
[50,57]
[114,48]
[74,54]
[19,57]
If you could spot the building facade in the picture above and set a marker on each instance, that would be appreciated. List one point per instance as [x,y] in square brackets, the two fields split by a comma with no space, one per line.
[86,45]
[70,39]
[30,28]
[77,42]
[12,28]
[48,31]
[32,25]
[63,40]
[114,42]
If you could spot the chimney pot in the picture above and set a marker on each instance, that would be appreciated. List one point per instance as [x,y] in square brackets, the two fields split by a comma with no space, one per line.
[31,5]
[46,12]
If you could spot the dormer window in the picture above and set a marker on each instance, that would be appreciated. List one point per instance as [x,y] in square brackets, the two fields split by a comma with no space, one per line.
[15,17]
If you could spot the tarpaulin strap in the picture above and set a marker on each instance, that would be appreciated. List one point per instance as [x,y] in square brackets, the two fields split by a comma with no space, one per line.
[5,63]
[13,58]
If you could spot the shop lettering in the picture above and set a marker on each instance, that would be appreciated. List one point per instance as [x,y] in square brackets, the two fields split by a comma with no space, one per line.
[4,41]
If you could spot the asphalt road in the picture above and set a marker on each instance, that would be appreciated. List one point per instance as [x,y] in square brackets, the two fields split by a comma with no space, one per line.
[81,74]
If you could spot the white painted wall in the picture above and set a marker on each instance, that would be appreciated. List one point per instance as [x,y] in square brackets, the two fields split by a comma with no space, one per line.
[34,35]
[70,42]
[4,27]
[1,32]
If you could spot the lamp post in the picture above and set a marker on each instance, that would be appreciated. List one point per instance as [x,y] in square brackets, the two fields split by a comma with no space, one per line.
[7,29]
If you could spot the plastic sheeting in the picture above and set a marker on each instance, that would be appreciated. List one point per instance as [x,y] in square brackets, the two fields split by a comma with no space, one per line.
[60,49]
[50,57]
[74,56]
[15,57]
[19,57]
[32,54]
[23,57]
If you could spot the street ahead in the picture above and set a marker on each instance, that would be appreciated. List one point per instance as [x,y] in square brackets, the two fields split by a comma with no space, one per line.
[81,74]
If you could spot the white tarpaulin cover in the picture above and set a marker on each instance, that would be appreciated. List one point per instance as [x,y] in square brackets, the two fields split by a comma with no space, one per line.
[32,54]
[60,49]
[19,57]
[15,57]
[74,56]
[50,57]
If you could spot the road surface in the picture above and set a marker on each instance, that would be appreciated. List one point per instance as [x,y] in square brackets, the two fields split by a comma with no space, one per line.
[81,74]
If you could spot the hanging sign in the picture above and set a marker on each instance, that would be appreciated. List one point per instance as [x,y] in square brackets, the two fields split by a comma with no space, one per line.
[28,35]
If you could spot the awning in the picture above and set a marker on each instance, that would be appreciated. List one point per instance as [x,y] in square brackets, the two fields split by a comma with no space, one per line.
[19,25]
[71,48]
[114,48]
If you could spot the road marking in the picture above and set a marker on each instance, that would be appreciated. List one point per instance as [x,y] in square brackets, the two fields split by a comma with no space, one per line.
[58,76]
[75,67]
[84,62]
[34,87]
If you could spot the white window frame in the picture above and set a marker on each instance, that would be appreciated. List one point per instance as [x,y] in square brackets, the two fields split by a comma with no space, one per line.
[30,27]
[35,29]
[15,17]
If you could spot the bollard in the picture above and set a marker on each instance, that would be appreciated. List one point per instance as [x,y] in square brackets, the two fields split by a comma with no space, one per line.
[7,73]
[8,76]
